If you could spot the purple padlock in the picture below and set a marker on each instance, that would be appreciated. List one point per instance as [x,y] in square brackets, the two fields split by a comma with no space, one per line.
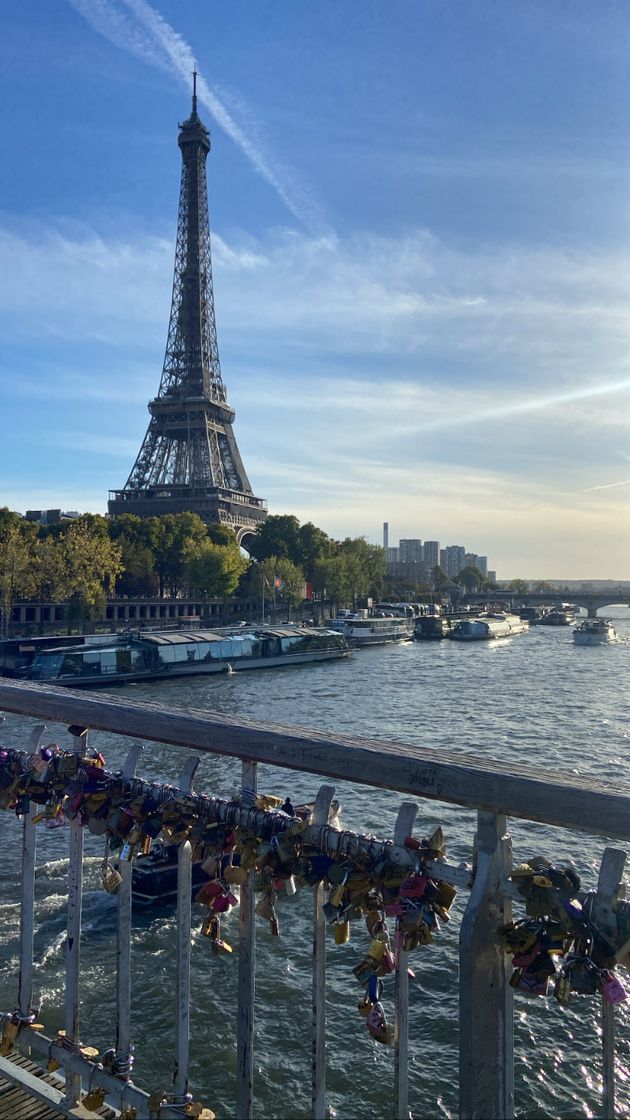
[613,990]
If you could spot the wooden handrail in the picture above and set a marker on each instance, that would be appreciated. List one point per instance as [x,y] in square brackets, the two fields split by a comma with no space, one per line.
[582,804]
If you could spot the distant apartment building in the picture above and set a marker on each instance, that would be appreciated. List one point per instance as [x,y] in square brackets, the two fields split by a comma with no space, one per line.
[410,551]
[454,559]
[51,516]
[414,560]
[492,576]
[431,554]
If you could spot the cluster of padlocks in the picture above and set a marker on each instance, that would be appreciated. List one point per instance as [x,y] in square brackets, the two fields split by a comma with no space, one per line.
[379,892]
[131,815]
[559,943]
[560,946]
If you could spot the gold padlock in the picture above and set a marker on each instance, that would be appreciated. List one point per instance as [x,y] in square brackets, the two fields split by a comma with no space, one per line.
[10,1031]
[445,895]
[110,879]
[341,931]
[376,949]
[234,874]
[94,1099]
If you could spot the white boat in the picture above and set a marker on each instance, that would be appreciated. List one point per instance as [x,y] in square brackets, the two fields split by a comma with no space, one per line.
[594,632]
[364,629]
[485,627]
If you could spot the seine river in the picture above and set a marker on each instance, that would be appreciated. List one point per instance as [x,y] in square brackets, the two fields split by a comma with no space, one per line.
[537,699]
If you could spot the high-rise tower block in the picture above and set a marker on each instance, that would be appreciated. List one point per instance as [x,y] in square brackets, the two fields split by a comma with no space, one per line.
[189,459]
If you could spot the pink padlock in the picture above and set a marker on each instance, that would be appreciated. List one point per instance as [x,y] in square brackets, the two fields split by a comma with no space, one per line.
[613,990]
[209,890]
[523,960]
[394,909]
[221,904]
[414,886]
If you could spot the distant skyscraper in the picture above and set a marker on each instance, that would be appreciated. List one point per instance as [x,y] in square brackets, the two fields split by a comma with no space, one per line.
[482,564]
[385,535]
[431,553]
[410,551]
[470,560]
[454,559]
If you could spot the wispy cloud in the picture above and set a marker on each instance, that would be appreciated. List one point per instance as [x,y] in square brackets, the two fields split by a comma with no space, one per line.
[136,27]
[609,485]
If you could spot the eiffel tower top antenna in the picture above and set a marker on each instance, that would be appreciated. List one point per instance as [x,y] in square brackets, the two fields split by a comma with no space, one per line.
[189,460]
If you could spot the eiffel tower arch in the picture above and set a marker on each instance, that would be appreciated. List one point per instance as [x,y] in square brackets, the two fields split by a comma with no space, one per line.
[189,460]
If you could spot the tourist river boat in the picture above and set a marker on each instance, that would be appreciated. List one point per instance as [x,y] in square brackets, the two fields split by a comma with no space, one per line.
[485,627]
[561,615]
[594,632]
[175,653]
[364,629]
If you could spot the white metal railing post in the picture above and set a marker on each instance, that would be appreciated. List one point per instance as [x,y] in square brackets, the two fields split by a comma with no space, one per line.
[184,944]
[486,1021]
[319,818]
[123,1059]
[182,998]
[73,936]
[608,1060]
[27,907]
[246,970]
[403,827]
[604,912]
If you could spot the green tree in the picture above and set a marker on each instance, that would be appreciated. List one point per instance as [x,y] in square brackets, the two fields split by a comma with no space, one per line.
[216,569]
[93,562]
[366,566]
[174,539]
[470,578]
[138,577]
[18,575]
[314,546]
[520,586]
[439,578]
[279,535]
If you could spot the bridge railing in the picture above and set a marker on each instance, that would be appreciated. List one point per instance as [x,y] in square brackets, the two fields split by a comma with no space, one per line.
[495,791]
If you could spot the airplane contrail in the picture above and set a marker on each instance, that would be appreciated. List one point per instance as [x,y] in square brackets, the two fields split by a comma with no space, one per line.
[136,27]
[607,486]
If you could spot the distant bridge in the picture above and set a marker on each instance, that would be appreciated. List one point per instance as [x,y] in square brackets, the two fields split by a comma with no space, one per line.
[592,601]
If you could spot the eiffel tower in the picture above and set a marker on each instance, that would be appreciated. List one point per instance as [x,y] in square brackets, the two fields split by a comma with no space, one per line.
[189,459]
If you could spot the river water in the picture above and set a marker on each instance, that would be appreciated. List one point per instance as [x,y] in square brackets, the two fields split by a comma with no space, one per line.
[537,699]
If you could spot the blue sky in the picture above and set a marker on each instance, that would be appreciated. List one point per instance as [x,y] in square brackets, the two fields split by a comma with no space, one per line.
[421,249]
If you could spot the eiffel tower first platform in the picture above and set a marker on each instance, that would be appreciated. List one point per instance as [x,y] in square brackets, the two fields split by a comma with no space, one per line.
[189,459]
